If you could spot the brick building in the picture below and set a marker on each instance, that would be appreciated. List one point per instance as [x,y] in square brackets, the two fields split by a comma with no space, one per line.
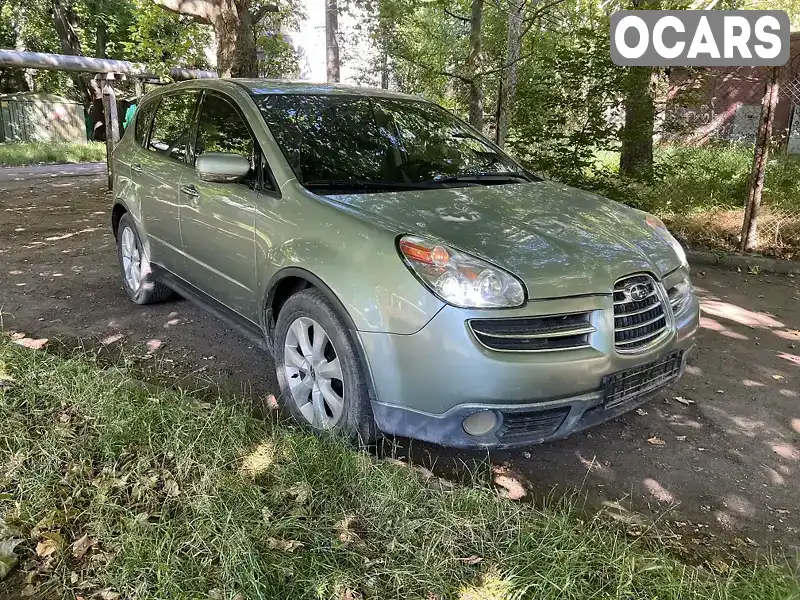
[724,103]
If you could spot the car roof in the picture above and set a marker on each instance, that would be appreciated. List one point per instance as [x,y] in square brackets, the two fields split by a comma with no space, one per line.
[285,87]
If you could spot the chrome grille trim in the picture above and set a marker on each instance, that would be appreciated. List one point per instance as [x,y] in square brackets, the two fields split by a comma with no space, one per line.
[545,333]
[639,325]
[536,336]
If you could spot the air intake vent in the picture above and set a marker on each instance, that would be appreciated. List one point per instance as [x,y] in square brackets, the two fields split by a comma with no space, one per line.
[534,334]
[639,314]
[519,427]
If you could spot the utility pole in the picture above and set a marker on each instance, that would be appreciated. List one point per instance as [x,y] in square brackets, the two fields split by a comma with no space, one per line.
[112,122]
[760,155]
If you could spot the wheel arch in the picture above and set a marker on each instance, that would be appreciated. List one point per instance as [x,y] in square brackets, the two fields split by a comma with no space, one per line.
[117,211]
[290,280]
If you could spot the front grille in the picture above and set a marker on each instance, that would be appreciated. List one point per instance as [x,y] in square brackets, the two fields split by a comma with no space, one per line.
[531,425]
[534,334]
[637,323]
[629,385]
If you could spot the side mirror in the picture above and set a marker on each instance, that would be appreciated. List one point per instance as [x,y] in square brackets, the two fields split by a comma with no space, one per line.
[221,167]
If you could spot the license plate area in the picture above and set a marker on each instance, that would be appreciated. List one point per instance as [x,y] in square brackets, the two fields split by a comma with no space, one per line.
[630,384]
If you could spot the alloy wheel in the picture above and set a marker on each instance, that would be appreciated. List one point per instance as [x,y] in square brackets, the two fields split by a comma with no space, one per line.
[131,259]
[313,373]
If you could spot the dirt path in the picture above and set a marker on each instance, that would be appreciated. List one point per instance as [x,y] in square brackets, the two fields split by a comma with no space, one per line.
[729,464]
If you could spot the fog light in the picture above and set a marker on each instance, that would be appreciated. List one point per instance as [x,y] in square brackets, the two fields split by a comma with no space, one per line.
[480,423]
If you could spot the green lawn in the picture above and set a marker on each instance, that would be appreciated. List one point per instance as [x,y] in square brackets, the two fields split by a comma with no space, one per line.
[700,194]
[16,154]
[114,489]
[695,179]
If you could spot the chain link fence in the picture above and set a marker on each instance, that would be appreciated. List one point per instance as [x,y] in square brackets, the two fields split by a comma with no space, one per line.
[707,127]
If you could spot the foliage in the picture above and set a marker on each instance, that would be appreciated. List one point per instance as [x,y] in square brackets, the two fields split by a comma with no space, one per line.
[162,40]
[121,491]
[34,153]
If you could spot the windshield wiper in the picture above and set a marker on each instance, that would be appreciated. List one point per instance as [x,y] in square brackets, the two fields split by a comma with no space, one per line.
[357,184]
[488,178]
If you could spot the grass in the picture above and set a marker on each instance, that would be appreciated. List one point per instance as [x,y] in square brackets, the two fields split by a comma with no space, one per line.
[700,193]
[16,154]
[188,498]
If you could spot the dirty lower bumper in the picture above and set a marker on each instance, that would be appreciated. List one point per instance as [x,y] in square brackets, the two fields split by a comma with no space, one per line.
[518,424]
[428,383]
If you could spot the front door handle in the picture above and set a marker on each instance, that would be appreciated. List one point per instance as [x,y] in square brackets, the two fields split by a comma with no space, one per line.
[190,190]
[137,167]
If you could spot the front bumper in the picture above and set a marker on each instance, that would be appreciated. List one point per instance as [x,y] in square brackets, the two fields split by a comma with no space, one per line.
[427,383]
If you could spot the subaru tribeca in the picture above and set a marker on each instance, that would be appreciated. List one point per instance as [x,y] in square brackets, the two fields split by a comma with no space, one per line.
[406,274]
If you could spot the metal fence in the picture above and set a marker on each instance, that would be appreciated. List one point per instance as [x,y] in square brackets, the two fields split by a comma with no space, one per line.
[720,111]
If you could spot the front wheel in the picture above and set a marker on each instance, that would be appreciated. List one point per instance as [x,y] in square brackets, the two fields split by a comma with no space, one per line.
[320,374]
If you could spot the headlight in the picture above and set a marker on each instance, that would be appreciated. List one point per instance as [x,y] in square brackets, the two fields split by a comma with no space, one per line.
[679,295]
[458,278]
[658,226]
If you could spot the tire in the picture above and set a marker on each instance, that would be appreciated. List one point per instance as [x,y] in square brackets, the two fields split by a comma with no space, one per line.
[310,402]
[148,290]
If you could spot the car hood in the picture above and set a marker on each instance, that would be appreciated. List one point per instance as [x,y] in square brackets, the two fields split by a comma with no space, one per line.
[561,241]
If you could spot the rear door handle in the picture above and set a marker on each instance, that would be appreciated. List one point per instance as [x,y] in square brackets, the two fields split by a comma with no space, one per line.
[137,167]
[190,190]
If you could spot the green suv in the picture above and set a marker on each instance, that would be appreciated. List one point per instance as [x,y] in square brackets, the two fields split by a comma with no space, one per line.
[405,273]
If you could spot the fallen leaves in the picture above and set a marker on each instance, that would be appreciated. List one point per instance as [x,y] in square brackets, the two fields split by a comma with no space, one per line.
[656,441]
[52,543]
[301,492]
[684,401]
[512,489]
[349,531]
[82,546]
[32,343]
[8,559]
[283,545]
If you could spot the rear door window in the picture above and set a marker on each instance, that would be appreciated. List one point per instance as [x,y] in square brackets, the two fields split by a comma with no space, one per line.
[172,126]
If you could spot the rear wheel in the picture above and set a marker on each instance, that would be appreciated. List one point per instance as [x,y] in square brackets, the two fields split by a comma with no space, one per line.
[319,371]
[137,277]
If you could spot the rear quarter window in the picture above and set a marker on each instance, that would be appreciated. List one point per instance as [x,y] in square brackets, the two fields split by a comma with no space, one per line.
[144,118]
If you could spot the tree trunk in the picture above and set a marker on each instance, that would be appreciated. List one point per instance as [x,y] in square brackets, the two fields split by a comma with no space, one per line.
[332,40]
[473,64]
[64,21]
[508,83]
[384,69]
[636,156]
[760,155]
[234,29]
[102,39]
[236,44]
[23,78]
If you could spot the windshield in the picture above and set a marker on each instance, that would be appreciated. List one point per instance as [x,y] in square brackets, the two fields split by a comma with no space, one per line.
[374,144]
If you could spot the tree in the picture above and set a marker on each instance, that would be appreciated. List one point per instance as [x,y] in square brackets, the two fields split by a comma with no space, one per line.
[65,23]
[234,23]
[508,83]
[474,58]
[332,40]
[636,150]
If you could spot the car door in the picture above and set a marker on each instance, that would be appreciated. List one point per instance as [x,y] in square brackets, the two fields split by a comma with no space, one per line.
[218,219]
[158,167]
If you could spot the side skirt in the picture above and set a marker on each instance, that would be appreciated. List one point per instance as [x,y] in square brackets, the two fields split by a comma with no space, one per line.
[231,318]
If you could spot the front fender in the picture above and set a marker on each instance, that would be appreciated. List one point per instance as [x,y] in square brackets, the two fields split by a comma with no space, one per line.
[358,262]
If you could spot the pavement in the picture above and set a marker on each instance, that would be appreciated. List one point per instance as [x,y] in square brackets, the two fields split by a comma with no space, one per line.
[10,175]
[714,459]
